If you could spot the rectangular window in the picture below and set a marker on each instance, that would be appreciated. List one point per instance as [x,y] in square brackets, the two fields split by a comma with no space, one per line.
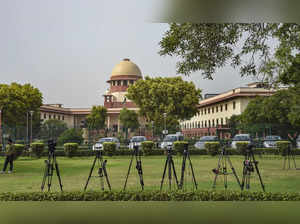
[226,107]
[50,116]
[221,108]
[205,111]
[58,117]
[212,109]
[125,83]
[119,82]
[45,116]
[63,118]
[221,121]
[233,104]
[201,111]
[217,109]
[209,110]
[54,116]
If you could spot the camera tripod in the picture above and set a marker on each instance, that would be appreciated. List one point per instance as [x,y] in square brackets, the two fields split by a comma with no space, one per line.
[137,154]
[222,169]
[171,168]
[51,165]
[186,155]
[101,171]
[288,156]
[249,164]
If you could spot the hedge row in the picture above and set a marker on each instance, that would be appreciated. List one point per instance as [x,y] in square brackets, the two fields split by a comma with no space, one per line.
[153,152]
[150,196]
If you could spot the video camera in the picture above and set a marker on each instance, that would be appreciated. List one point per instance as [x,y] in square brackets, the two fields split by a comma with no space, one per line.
[51,145]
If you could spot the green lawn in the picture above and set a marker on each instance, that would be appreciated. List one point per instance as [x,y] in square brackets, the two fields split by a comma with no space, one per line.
[74,171]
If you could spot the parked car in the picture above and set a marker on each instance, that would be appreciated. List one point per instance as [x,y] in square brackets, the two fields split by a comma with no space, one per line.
[240,138]
[99,143]
[298,142]
[170,139]
[201,143]
[136,140]
[270,141]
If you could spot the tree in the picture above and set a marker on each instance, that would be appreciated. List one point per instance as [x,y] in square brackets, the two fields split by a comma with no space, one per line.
[263,50]
[16,100]
[129,119]
[173,96]
[96,119]
[71,136]
[52,129]
[234,124]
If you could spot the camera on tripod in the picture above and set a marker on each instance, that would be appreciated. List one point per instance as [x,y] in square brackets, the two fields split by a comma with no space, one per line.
[51,145]
[249,165]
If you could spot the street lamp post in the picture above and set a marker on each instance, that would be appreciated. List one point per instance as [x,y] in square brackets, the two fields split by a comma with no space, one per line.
[152,122]
[31,114]
[165,124]
[27,127]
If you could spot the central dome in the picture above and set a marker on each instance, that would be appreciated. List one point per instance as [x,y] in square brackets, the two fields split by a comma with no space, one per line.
[126,67]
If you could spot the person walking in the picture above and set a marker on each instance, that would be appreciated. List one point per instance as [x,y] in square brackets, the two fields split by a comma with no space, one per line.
[10,149]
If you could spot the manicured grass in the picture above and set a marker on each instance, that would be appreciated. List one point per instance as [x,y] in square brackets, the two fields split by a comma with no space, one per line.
[74,172]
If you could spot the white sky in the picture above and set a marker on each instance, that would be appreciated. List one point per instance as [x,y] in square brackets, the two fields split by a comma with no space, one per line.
[67,48]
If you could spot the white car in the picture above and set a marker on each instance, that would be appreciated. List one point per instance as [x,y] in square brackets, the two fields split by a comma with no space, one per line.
[270,141]
[240,138]
[99,143]
[201,143]
[170,139]
[136,141]
[298,142]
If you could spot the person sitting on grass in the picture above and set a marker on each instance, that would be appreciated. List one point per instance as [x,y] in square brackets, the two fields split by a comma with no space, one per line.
[10,149]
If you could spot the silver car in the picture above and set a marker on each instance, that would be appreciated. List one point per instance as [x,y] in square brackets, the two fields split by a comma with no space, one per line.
[240,138]
[136,140]
[201,143]
[99,143]
[170,139]
[270,141]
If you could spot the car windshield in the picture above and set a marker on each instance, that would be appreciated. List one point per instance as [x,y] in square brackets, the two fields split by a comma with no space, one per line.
[170,138]
[208,138]
[138,139]
[241,138]
[272,138]
[105,140]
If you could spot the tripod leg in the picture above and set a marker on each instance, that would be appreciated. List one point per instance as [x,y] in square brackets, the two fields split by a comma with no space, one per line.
[182,170]
[90,174]
[170,173]
[193,173]
[225,173]
[140,170]
[234,173]
[130,164]
[244,177]
[58,174]
[293,157]
[45,175]
[284,162]
[174,172]
[258,173]
[218,169]
[51,169]
[164,173]
[105,174]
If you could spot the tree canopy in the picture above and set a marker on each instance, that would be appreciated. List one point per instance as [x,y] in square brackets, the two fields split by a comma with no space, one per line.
[129,119]
[173,96]
[263,50]
[16,100]
[96,119]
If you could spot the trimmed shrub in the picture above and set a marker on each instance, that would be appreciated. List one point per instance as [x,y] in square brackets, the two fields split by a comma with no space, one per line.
[150,196]
[179,146]
[1,147]
[147,147]
[37,148]
[242,147]
[70,136]
[110,148]
[282,147]
[212,148]
[19,149]
[70,149]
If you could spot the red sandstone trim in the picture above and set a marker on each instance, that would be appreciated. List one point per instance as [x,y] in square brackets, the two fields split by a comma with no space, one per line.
[124,77]
[118,88]
[119,105]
